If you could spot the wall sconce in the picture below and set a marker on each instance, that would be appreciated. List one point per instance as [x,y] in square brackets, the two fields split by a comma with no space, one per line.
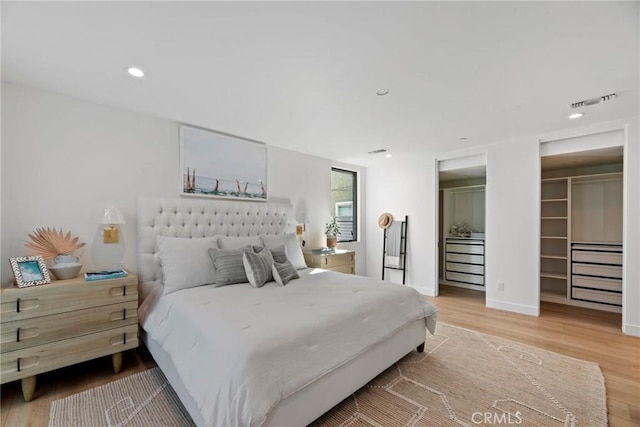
[303,219]
[112,217]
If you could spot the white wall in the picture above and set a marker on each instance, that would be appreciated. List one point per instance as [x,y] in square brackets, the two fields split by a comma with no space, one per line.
[404,186]
[631,226]
[512,224]
[65,160]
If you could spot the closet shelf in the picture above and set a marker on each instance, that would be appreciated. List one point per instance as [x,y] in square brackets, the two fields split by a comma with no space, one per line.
[553,256]
[552,297]
[554,293]
[583,208]
[554,275]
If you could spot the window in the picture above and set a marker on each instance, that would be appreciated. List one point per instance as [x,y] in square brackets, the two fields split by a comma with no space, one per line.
[344,203]
[344,209]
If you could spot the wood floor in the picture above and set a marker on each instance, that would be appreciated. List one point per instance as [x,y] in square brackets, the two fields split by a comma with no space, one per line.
[581,333]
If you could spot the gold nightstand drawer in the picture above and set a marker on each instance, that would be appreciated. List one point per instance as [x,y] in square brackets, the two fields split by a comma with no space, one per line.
[41,330]
[65,295]
[342,261]
[18,364]
[337,260]
[347,269]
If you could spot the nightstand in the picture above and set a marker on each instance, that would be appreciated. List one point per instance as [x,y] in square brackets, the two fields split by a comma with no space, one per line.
[65,322]
[341,260]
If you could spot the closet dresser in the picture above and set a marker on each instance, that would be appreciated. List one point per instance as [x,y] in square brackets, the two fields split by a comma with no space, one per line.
[596,273]
[464,260]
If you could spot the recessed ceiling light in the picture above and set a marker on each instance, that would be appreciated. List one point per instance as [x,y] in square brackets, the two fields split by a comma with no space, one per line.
[576,115]
[136,72]
[463,138]
[388,155]
[382,92]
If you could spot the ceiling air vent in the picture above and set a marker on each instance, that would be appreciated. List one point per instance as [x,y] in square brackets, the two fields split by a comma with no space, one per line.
[380,151]
[592,101]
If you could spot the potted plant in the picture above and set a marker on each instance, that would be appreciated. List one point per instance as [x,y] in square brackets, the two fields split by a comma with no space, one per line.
[332,230]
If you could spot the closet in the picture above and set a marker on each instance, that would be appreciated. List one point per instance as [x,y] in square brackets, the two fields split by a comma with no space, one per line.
[462,222]
[581,229]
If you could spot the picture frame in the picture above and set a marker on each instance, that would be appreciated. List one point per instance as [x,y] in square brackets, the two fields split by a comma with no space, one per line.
[30,271]
[217,165]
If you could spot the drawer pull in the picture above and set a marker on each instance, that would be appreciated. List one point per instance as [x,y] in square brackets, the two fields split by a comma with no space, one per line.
[124,338]
[18,305]
[18,335]
[124,290]
[18,363]
[124,314]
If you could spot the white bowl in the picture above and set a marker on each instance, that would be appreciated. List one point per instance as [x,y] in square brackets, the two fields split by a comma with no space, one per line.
[66,271]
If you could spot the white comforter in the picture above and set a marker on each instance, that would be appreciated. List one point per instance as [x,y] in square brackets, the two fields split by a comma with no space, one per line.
[240,350]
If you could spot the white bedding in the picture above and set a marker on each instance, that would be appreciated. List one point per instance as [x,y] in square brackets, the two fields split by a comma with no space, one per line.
[239,353]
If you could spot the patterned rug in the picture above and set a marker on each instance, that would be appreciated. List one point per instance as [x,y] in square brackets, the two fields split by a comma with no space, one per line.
[463,378]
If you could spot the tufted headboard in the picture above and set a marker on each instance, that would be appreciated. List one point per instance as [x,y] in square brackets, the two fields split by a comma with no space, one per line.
[191,218]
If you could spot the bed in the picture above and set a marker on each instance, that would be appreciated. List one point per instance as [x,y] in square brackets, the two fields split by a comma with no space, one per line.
[274,355]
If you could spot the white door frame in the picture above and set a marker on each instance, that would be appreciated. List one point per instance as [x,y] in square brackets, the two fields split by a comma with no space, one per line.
[450,163]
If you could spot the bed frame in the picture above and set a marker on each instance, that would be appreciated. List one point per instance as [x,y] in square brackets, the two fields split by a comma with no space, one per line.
[190,218]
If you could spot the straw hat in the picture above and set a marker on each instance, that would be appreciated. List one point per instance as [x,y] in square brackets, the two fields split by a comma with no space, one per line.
[385,220]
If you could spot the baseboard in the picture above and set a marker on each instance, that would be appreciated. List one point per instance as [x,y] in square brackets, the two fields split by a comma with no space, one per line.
[631,329]
[516,308]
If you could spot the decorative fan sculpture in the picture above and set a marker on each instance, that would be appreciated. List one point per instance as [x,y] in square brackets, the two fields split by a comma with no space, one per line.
[49,243]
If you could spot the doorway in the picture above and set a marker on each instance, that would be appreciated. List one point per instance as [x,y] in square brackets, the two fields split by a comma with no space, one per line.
[581,221]
[461,223]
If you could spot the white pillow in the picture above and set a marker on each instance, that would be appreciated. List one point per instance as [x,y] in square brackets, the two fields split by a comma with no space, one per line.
[186,262]
[229,242]
[291,244]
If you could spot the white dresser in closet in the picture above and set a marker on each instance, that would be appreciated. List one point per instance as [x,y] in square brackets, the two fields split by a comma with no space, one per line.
[596,273]
[464,260]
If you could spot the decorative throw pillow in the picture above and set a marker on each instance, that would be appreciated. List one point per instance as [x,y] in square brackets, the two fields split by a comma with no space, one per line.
[185,262]
[283,272]
[279,253]
[230,242]
[290,242]
[257,266]
[228,265]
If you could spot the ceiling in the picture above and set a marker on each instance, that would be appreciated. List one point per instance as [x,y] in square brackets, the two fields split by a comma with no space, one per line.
[583,159]
[304,75]
[473,172]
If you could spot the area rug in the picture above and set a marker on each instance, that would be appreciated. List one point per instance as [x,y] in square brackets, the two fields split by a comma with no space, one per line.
[463,378]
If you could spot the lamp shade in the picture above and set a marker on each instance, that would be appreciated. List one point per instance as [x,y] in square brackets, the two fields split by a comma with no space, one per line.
[304,218]
[112,216]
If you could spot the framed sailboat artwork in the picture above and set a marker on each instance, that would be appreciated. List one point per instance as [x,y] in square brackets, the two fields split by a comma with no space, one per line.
[214,164]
